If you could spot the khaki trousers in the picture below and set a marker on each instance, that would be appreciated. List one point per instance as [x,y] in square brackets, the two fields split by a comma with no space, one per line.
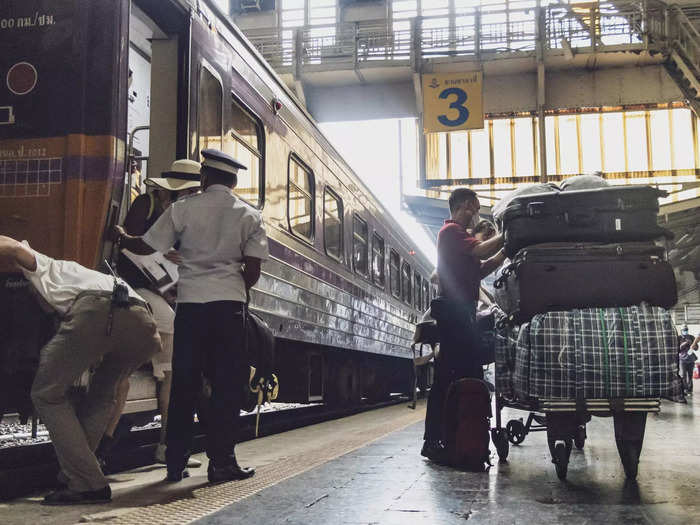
[81,342]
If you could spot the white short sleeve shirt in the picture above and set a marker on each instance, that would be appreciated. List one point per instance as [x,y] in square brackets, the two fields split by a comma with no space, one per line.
[216,230]
[60,282]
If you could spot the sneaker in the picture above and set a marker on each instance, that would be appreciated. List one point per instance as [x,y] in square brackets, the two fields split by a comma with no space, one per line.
[177,475]
[73,497]
[159,456]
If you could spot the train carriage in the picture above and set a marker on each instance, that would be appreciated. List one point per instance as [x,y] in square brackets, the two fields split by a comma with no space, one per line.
[88,82]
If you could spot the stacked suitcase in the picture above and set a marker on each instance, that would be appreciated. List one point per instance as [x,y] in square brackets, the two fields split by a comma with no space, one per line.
[590,289]
[585,327]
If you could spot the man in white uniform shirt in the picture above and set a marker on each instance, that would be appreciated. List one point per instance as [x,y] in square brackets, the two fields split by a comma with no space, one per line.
[222,245]
[119,335]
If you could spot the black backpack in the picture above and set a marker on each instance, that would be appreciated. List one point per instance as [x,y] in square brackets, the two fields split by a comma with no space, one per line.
[260,344]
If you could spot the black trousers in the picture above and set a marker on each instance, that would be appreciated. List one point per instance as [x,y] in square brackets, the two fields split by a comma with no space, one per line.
[457,358]
[209,339]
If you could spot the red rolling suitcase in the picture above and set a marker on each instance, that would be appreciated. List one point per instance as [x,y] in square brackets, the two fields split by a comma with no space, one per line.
[562,276]
[466,420]
[608,214]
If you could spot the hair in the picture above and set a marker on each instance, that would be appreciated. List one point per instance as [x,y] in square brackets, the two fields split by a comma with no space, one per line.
[484,226]
[215,176]
[459,196]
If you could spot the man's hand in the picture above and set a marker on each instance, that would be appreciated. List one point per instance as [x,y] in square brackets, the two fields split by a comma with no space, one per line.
[493,263]
[117,233]
[133,244]
[174,257]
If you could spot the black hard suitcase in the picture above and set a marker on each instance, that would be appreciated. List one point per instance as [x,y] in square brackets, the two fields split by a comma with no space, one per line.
[560,276]
[609,215]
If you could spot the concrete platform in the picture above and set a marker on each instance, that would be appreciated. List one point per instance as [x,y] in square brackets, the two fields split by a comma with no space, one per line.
[367,469]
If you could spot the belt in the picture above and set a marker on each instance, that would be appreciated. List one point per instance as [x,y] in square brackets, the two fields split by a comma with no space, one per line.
[133,301]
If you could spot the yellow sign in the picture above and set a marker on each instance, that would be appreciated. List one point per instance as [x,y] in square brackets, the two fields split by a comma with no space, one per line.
[452,102]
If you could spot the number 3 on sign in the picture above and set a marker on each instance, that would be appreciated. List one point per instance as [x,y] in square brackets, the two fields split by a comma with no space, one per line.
[457,104]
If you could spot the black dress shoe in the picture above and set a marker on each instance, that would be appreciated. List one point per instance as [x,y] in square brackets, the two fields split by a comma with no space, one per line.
[73,497]
[434,451]
[228,473]
[177,475]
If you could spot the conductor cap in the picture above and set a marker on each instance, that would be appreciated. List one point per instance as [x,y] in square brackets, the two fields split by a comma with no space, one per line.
[218,160]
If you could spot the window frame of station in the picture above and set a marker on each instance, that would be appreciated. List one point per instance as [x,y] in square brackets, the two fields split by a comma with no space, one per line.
[404,289]
[204,65]
[366,274]
[381,284]
[327,190]
[260,153]
[293,157]
[396,293]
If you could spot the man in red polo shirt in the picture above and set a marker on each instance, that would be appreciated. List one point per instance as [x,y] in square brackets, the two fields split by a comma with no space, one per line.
[460,270]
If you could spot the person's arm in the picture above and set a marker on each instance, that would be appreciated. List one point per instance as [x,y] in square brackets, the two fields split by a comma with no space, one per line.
[251,271]
[14,254]
[161,237]
[695,342]
[492,264]
[133,243]
[486,249]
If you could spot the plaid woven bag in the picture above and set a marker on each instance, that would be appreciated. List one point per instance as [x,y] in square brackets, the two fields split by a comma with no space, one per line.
[598,353]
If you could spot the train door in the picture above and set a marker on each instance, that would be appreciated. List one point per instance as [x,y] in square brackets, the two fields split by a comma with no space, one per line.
[156,103]
[157,93]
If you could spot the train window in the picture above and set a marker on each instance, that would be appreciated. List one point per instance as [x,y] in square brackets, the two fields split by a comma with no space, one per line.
[210,105]
[394,274]
[333,224]
[426,295]
[360,242]
[406,282]
[300,199]
[378,260]
[417,297]
[244,140]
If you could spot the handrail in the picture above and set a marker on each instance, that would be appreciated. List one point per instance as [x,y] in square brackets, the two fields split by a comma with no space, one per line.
[684,19]
[589,25]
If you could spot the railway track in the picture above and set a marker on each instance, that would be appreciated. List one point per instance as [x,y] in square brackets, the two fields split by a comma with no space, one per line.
[31,467]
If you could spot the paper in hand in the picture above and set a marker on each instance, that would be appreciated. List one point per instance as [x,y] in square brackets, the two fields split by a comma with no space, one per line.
[161,272]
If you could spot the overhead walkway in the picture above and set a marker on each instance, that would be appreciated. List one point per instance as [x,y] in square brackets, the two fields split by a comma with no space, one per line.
[568,42]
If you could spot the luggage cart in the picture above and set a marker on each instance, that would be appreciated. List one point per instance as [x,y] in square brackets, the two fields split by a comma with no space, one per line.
[565,424]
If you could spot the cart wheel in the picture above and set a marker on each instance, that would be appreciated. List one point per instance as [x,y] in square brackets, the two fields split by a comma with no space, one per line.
[561,460]
[629,451]
[500,440]
[516,431]
[580,438]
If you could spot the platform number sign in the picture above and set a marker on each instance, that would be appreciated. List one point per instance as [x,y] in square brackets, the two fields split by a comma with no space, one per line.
[452,102]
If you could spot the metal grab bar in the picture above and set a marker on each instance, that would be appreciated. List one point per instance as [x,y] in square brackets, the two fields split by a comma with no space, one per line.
[130,157]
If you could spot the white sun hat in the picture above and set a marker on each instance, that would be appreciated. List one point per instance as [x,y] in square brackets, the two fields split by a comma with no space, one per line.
[183,175]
